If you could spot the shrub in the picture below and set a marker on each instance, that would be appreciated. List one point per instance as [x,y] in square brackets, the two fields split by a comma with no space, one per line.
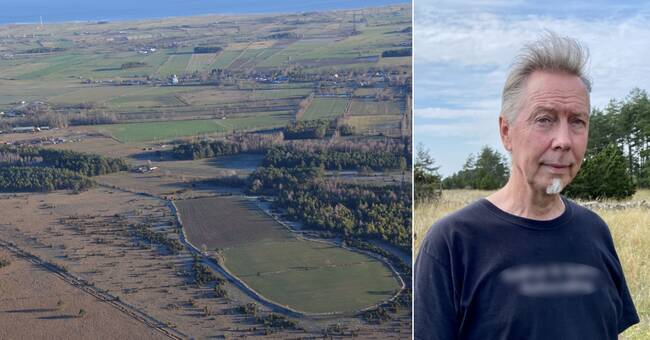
[603,175]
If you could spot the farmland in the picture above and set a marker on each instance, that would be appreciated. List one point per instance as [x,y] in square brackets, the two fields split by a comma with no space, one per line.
[138,90]
[160,131]
[325,108]
[628,227]
[324,278]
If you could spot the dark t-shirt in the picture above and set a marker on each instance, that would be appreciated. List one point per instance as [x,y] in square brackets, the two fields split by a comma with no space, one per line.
[483,273]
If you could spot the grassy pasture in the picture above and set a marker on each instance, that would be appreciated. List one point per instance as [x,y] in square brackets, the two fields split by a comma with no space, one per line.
[213,96]
[629,228]
[306,275]
[375,122]
[296,51]
[323,278]
[224,59]
[96,94]
[371,107]
[152,131]
[164,130]
[175,64]
[147,97]
[281,93]
[325,108]
[14,91]
[394,61]
[200,62]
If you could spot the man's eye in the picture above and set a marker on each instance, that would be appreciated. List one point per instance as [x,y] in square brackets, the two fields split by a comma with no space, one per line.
[579,122]
[543,120]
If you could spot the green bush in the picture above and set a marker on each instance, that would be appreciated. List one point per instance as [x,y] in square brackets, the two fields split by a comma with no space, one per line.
[603,175]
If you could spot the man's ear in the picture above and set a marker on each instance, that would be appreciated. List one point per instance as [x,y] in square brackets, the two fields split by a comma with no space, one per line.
[504,130]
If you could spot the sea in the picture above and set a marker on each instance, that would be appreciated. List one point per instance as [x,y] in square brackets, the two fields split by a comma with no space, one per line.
[56,11]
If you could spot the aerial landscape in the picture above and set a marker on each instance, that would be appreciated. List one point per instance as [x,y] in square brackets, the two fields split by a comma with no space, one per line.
[213,176]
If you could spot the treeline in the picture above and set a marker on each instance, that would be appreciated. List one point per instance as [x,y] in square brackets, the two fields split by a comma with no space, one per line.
[36,169]
[36,179]
[625,124]
[132,64]
[251,143]
[307,129]
[405,52]
[488,170]
[283,35]
[207,49]
[290,156]
[356,211]
[45,50]
[44,114]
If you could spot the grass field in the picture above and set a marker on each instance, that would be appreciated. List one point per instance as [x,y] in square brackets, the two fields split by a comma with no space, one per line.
[325,108]
[281,93]
[629,228]
[200,62]
[373,123]
[175,64]
[224,59]
[164,130]
[306,275]
[372,107]
[322,278]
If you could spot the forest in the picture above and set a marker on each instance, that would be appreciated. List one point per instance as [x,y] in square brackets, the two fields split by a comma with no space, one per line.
[355,211]
[38,169]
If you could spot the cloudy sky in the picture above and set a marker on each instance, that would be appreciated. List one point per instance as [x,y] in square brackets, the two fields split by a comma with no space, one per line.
[463,50]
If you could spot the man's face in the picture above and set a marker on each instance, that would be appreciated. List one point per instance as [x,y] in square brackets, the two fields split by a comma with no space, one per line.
[548,138]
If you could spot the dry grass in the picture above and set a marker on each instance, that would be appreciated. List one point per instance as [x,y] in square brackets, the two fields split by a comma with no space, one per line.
[629,229]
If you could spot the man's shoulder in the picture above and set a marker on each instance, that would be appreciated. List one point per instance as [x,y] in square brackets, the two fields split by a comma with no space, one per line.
[443,232]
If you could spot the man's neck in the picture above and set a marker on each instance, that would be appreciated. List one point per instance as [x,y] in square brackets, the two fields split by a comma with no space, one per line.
[524,201]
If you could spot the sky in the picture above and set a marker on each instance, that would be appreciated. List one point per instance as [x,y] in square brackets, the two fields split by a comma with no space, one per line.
[463,49]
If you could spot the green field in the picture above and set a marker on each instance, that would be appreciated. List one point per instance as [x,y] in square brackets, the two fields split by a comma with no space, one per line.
[305,275]
[374,123]
[225,59]
[373,107]
[325,108]
[200,62]
[282,93]
[164,130]
[323,278]
[175,64]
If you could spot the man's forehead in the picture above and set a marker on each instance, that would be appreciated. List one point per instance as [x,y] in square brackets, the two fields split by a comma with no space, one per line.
[557,92]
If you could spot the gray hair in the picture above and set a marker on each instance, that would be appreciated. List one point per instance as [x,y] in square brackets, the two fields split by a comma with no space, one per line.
[550,53]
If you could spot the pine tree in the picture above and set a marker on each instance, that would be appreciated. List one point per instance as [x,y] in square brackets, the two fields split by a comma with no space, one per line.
[603,175]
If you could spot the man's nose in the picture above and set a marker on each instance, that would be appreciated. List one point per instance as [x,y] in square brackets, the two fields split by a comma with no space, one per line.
[562,136]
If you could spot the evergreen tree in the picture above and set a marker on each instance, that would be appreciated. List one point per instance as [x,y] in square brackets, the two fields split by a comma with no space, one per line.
[487,171]
[425,174]
[603,175]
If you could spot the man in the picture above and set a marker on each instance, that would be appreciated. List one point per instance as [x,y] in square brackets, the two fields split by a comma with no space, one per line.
[527,263]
